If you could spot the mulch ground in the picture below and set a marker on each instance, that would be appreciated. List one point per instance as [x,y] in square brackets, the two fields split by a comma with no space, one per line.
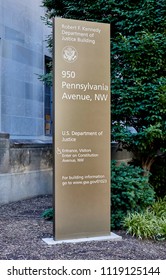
[22,230]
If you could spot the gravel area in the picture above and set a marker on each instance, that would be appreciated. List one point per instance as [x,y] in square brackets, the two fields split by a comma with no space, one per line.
[22,230]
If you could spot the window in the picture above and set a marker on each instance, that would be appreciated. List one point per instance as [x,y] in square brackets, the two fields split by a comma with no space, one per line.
[48,101]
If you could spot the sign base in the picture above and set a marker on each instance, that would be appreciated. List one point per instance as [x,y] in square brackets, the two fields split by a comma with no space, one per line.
[111,237]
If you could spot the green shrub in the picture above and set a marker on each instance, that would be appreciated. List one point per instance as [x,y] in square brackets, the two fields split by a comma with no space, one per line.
[47,214]
[130,192]
[159,208]
[151,223]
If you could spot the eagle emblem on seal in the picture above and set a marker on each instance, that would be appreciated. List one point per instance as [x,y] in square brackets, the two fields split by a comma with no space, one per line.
[69,54]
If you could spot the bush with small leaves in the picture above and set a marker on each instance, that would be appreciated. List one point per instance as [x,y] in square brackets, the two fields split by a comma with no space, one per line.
[130,192]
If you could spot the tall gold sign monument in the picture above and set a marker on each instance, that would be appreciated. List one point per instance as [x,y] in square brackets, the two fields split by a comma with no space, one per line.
[81,129]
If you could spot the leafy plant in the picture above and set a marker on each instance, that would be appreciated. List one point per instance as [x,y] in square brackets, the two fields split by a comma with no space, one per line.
[130,192]
[48,214]
[159,208]
[141,225]
[145,145]
[151,223]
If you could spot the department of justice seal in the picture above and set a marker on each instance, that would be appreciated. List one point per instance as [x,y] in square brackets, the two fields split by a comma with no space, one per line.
[69,54]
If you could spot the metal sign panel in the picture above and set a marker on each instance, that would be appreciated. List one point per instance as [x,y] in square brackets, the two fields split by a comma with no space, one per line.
[82,129]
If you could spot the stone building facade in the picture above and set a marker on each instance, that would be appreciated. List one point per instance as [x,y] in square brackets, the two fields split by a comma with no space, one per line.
[25,150]
[22,58]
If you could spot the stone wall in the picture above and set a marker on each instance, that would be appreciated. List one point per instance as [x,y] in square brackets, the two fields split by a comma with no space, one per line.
[25,168]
